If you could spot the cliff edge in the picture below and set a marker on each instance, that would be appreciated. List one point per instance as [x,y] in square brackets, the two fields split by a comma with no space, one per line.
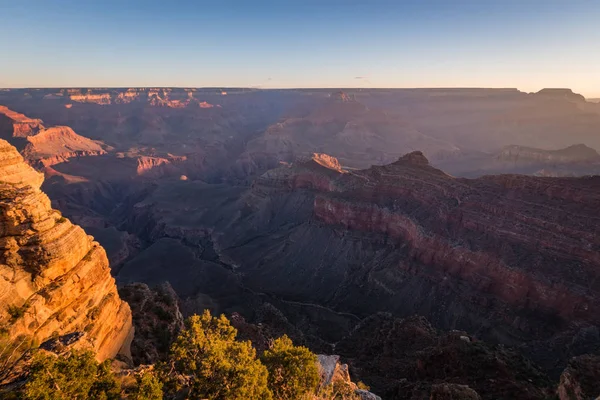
[54,278]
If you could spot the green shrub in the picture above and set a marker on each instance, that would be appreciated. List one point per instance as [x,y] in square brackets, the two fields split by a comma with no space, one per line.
[338,390]
[148,387]
[293,371]
[214,365]
[77,376]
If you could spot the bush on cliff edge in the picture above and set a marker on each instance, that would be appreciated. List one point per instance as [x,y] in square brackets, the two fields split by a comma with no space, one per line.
[293,370]
[209,363]
[77,376]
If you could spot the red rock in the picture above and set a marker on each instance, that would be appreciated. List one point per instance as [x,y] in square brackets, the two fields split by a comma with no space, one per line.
[44,147]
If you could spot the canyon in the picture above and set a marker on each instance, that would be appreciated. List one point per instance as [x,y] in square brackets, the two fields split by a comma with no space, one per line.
[512,258]
[233,133]
[336,217]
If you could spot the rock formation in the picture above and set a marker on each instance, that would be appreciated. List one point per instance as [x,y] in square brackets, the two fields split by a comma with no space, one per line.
[493,235]
[58,144]
[54,278]
[22,126]
[581,379]
[366,126]
[341,96]
[157,97]
[435,218]
[156,318]
[43,147]
[158,166]
[511,258]
[333,371]
[103,98]
[409,359]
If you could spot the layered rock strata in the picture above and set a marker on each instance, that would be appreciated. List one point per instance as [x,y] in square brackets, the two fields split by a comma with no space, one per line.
[43,147]
[54,278]
[511,257]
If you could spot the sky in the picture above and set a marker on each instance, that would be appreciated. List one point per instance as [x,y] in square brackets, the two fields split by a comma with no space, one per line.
[527,44]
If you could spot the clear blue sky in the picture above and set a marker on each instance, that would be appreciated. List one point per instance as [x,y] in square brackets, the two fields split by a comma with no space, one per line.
[527,44]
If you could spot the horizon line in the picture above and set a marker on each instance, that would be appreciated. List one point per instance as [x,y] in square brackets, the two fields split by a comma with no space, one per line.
[298,88]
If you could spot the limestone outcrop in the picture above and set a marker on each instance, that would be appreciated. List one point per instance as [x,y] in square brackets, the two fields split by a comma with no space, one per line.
[54,278]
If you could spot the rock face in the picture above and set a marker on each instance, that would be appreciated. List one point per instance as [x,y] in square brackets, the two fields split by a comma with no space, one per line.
[157,166]
[22,126]
[327,161]
[58,144]
[158,97]
[54,278]
[488,244]
[332,371]
[511,258]
[388,200]
[581,379]
[156,318]
[409,359]
[43,147]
